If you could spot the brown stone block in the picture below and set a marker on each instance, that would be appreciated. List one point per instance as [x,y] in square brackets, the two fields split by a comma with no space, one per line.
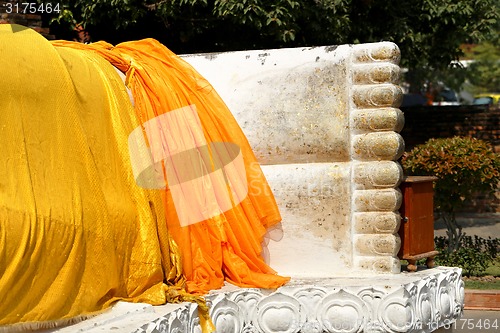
[482,299]
[32,24]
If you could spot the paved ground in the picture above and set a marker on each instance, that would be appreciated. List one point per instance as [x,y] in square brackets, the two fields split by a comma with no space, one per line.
[482,225]
[477,321]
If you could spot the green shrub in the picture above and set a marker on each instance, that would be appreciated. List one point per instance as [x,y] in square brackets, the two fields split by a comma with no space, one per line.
[474,254]
[464,167]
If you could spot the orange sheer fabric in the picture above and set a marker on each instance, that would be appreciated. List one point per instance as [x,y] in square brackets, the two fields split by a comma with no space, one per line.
[226,246]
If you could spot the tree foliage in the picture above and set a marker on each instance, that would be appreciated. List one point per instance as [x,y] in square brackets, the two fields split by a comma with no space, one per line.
[484,73]
[428,32]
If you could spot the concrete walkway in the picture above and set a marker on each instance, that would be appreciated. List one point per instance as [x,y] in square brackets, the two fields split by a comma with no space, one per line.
[481,224]
[477,321]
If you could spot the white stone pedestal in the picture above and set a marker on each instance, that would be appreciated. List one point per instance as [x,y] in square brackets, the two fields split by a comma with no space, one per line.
[408,302]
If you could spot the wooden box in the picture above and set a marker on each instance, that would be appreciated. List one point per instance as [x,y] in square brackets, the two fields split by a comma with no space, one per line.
[417,221]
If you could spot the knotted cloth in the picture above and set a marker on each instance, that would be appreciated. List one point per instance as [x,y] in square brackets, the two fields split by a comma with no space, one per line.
[79,229]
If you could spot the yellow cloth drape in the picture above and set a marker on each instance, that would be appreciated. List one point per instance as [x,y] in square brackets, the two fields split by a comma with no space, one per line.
[76,231]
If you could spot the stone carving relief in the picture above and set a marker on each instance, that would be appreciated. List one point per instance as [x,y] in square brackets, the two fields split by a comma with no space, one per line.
[431,301]
[376,144]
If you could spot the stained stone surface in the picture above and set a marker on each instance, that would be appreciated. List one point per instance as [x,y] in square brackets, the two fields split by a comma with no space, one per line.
[289,102]
[314,201]
[324,123]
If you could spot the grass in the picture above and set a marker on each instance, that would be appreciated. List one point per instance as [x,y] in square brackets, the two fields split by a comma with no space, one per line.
[494,269]
[484,283]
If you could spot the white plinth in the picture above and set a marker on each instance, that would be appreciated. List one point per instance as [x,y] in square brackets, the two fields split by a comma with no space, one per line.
[408,302]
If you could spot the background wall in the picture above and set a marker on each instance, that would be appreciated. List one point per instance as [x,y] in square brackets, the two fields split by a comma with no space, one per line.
[423,123]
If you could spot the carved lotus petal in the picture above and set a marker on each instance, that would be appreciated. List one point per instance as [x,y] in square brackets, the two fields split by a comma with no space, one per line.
[397,312]
[177,326]
[279,313]
[342,312]
[247,302]
[310,298]
[226,316]
[425,306]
